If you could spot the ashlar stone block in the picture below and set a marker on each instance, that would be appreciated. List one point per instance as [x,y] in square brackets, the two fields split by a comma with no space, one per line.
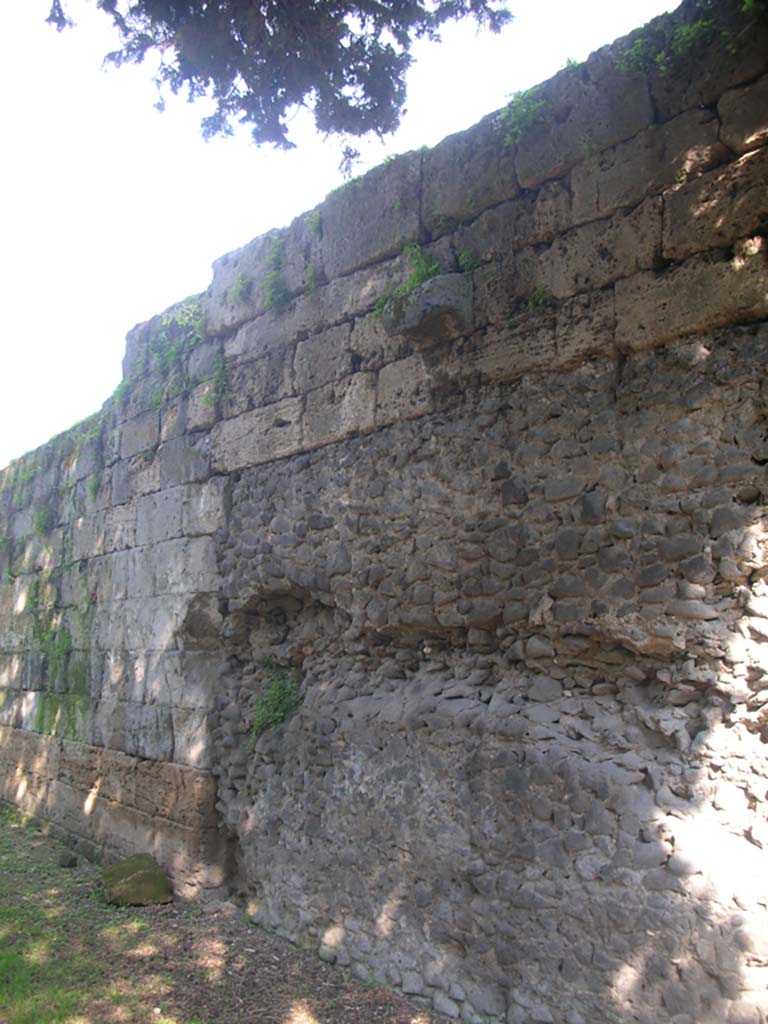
[373,217]
[339,410]
[654,159]
[717,208]
[257,436]
[403,391]
[601,107]
[704,293]
[742,111]
[437,311]
[465,174]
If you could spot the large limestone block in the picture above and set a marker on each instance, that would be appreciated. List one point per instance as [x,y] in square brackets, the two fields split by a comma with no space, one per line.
[323,357]
[704,293]
[743,115]
[439,310]
[159,516]
[652,160]
[175,792]
[184,566]
[181,679]
[257,436]
[511,226]
[501,354]
[596,106]
[372,217]
[258,382]
[142,624]
[183,460]
[140,434]
[149,731]
[593,255]
[192,744]
[238,289]
[714,210]
[199,411]
[258,337]
[585,328]
[340,410]
[339,300]
[136,881]
[465,174]
[372,345]
[88,536]
[204,508]
[403,391]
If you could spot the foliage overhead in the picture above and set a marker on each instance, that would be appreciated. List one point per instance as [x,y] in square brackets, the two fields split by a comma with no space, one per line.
[261,59]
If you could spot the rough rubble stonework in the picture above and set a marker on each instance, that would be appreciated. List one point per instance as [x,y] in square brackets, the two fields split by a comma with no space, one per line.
[510,535]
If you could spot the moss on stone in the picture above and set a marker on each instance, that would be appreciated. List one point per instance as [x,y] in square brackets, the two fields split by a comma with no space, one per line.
[136,881]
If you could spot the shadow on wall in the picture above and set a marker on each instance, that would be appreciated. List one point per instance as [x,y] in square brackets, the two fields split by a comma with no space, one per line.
[566,825]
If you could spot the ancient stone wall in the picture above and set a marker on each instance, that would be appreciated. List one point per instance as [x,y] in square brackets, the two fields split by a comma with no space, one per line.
[475,453]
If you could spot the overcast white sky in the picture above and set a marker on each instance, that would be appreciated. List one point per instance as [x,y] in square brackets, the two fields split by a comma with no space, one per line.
[110,211]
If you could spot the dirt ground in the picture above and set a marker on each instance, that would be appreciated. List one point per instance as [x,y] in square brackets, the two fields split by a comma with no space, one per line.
[66,957]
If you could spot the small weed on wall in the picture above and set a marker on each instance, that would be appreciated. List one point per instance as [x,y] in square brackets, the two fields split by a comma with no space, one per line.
[279,700]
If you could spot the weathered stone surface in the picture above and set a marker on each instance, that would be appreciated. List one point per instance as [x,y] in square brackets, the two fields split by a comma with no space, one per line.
[340,409]
[592,256]
[258,436]
[513,225]
[437,311]
[703,293]
[602,107]
[717,209]
[238,291]
[323,357]
[733,52]
[654,159]
[373,217]
[465,174]
[742,112]
[403,391]
[139,435]
[518,577]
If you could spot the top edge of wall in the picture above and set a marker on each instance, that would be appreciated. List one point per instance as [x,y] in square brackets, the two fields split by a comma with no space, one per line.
[423,196]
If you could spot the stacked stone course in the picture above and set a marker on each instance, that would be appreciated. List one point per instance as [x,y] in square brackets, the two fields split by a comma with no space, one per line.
[512,532]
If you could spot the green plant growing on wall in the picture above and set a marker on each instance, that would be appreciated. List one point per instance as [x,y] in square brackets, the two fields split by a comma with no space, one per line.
[25,472]
[314,223]
[279,700]
[64,700]
[241,289]
[121,392]
[181,330]
[636,58]
[311,278]
[219,383]
[276,293]
[524,111]
[468,261]
[423,267]
[671,46]
[43,520]
[539,298]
